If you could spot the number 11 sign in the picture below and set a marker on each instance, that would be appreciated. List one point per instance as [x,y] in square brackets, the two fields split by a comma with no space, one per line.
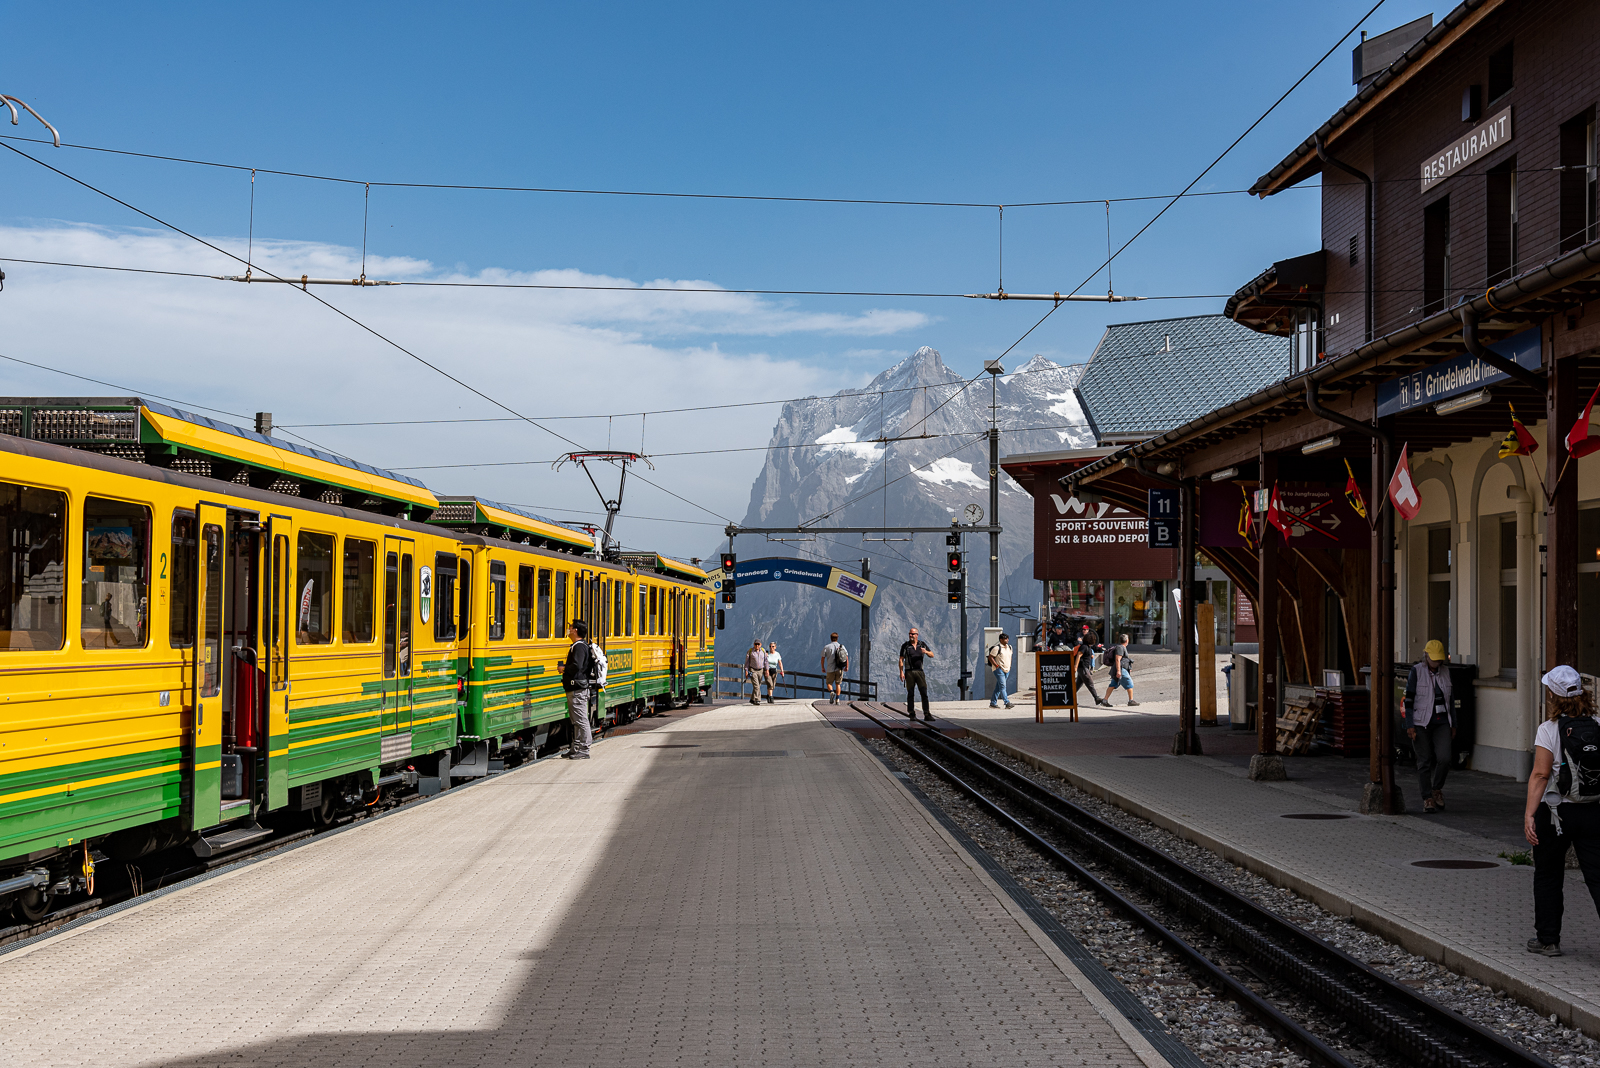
[1163,522]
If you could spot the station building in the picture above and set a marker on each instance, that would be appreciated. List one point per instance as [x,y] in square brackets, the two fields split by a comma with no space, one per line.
[1457,285]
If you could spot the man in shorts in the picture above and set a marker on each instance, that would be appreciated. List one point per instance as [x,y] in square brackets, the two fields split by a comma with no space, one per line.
[1121,670]
[835,661]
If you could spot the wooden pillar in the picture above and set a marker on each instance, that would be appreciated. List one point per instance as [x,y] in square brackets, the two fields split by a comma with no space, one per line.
[1205,620]
[1562,405]
[1267,764]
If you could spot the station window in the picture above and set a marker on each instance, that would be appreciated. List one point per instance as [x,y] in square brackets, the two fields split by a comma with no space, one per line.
[561,604]
[1439,585]
[179,576]
[444,597]
[33,537]
[497,599]
[544,602]
[1588,589]
[627,603]
[465,630]
[1508,598]
[313,589]
[116,574]
[524,603]
[357,607]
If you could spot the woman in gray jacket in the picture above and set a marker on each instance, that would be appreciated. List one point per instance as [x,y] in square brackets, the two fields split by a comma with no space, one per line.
[1430,723]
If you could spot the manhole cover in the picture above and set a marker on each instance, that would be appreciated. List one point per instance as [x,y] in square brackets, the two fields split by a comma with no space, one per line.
[1317,816]
[675,745]
[1141,756]
[1454,865]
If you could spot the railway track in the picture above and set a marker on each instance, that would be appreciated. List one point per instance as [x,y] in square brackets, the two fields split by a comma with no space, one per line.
[1406,1025]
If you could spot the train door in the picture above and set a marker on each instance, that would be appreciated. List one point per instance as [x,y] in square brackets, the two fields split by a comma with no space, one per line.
[279,617]
[243,685]
[205,751]
[399,593]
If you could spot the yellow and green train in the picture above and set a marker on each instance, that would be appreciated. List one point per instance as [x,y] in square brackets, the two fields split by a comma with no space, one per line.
[205,629]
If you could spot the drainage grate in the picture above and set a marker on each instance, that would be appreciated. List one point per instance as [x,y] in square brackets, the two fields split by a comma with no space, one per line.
[1454,865]
[757,753]
[1316,816]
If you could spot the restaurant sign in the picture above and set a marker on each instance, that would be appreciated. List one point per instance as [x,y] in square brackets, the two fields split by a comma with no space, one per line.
[1462,374]
[1464,151]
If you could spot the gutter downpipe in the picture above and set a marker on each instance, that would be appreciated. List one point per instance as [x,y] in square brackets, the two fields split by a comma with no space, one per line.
[1366,180]
[1187,740]
[1469,338]
[1379,795]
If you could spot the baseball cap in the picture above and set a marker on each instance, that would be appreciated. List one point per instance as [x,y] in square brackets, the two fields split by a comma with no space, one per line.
[1435,650]
[1563,681]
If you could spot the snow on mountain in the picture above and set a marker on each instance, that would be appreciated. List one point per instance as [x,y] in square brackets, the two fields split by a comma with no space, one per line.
[908,449]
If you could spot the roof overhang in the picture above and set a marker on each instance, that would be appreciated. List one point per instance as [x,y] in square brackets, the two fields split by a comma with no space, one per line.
[1276,298]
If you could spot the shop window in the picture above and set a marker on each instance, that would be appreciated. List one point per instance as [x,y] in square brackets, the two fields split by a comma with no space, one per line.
[1069,604]
[313,589]
[33,529]
[1508,598]
[1435,255]
[497,600]
[116,574]
[357,606]
[1439,586]
[179,576]
[1588,590]
[525,589]
[1577,183]
[444,597]
[1138,609]
[544,602]
[561,604]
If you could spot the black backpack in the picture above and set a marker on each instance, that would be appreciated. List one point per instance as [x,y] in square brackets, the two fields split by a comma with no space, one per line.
[1580,765]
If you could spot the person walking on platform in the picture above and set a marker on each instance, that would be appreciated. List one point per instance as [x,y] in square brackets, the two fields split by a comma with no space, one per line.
[1088,645]
[577,675]
[755,669]
[1121,671]
[911,653]
[1430,723]
[1561,811]
[835,662]
[999,657]
[774,670]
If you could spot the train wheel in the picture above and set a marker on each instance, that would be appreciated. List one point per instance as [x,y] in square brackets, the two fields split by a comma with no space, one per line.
[30,906]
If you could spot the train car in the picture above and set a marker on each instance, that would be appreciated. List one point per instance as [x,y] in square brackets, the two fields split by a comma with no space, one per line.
[198,636]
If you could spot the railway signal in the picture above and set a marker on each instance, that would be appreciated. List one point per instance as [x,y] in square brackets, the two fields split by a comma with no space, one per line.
[728,584]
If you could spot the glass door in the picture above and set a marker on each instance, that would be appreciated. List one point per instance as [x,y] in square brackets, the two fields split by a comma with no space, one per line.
[401,596]
[205,801]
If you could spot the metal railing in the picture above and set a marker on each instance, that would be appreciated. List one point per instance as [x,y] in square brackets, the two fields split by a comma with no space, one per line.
[732,683]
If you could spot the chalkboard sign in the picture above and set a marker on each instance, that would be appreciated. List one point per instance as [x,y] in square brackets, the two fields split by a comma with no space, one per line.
[1056,674]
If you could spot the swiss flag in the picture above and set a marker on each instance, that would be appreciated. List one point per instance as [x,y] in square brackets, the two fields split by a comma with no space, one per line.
[1580,442]
[1403,491]
[1276,514]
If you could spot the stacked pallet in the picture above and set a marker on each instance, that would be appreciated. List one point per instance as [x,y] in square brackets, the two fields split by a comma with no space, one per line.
[1298,726]
[1346,719]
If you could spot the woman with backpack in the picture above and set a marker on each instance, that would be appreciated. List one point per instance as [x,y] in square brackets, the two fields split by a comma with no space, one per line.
[1562,811]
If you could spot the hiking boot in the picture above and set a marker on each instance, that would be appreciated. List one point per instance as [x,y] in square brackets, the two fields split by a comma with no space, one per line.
[1438,800]
[1132,703]
[1544,949]
[1428,807]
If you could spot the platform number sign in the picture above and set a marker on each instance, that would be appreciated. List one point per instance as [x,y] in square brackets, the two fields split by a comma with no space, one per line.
[1163,512]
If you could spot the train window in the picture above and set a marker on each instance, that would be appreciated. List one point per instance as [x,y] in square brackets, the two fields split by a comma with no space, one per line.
[605,608]
[618,595]
[211,611]
[465,630]
[391,594]
[524,603]
[544,602]
[281,596]
[313,589]
[403,653]
[33,539]
[655,610]
[561,604]
[177,570]
[497,600]
[116,574]
[357,606]
[444,596]
[627,603]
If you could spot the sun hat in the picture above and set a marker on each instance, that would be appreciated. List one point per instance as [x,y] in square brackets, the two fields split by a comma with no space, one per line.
[1563,681]
[1435,650]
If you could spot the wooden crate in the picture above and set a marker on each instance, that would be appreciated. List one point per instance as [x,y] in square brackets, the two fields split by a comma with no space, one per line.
[1298,726]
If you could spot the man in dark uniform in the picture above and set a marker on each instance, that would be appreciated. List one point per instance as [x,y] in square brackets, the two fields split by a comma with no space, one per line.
[575,680]
[911,654]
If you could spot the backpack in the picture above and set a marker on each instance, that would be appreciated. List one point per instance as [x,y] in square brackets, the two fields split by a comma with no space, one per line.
[1579,779]
[597,665]
[841,659]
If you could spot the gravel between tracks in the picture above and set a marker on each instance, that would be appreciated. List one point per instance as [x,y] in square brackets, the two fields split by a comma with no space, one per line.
[1214,1027]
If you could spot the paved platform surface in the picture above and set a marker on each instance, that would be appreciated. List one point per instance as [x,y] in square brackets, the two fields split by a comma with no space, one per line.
[1473,920]
[744,886]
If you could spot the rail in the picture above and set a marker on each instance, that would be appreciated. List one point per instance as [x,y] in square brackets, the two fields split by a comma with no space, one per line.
[1407,1024]
[732,683]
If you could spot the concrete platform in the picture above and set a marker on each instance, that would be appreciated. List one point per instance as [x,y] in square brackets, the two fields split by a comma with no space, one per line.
[742,886]
[1472,920]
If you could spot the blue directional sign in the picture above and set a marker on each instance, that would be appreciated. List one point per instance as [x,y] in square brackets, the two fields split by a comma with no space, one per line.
[1163,522]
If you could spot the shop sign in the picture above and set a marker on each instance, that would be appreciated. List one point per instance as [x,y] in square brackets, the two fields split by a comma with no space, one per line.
[1488,136]
[1162,510]
[1462,374]
[1073,540]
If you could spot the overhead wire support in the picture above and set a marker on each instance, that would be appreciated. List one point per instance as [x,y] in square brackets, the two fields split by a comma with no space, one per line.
[1114,298]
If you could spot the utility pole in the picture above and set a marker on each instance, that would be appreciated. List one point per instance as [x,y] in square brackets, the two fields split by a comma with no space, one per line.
[866,631]
[961,680]
[995,371]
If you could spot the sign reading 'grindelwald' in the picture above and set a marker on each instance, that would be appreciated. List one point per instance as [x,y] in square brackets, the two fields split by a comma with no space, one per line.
[1459,375]
[1494,132]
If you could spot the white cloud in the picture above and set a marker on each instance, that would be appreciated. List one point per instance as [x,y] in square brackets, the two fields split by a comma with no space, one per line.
[553,353]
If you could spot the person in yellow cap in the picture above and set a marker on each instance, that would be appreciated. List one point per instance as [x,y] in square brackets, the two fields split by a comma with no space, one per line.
[1430,722]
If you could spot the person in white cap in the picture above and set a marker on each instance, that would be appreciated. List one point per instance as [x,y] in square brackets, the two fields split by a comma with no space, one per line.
[1430,722]
[1561,811]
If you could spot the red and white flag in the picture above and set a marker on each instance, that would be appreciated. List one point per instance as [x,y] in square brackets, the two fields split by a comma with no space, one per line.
[1580,440]
[1403,491]
[1277,515]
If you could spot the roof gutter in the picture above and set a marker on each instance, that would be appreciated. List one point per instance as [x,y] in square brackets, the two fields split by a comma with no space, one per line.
[1497,300]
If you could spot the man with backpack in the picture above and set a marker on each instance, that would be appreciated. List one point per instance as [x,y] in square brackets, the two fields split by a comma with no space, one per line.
[999,658]
[835,662]
[578,672]
[1430,723]
[1561,811]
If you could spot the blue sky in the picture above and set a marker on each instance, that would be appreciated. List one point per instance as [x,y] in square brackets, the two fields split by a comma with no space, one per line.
[988,103]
